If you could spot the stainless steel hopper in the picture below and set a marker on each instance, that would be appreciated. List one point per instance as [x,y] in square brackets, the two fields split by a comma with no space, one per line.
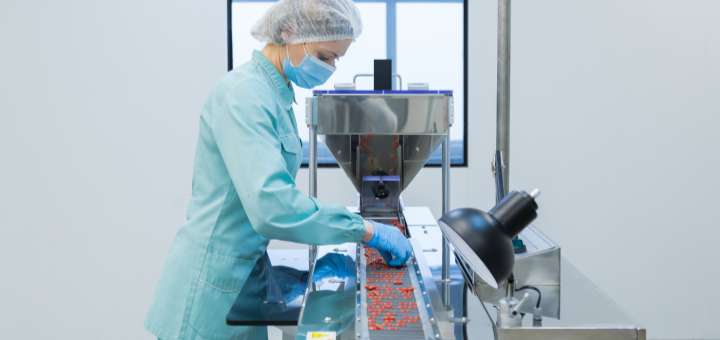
[381,139]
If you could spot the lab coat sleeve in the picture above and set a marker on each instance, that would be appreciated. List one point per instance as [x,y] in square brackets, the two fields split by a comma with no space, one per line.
[250,146]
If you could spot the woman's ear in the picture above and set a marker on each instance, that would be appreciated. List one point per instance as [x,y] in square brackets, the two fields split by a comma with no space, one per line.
[295,52]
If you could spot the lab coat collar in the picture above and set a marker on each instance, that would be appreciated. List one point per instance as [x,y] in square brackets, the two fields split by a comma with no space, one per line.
[285,89]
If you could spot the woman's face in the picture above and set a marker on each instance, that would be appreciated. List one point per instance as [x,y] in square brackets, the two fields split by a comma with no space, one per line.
[327,51]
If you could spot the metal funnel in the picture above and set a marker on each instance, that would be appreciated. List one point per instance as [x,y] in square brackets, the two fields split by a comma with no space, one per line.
[384,134]
[402,156]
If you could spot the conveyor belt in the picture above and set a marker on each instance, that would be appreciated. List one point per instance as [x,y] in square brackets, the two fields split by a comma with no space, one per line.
[388,298]
[391,306]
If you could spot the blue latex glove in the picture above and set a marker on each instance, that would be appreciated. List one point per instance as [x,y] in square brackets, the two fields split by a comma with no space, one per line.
[334,265]
[391,243]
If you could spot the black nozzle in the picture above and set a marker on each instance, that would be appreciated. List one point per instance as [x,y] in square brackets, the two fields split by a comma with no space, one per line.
[381,191]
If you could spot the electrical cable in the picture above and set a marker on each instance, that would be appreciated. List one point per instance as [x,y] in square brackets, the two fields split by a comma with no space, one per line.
[492,322]
[536,290]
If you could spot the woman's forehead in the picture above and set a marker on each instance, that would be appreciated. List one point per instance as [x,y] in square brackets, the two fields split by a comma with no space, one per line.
[338,47]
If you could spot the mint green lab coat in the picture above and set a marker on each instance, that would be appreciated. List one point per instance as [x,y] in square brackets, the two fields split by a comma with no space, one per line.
[243,194]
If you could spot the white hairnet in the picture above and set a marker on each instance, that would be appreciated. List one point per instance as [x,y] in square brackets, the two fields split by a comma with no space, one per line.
[300,21]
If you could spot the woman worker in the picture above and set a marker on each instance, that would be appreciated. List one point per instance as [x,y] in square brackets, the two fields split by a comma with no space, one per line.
[243,188]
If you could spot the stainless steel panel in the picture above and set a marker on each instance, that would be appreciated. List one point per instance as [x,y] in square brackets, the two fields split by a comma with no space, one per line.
[378,114]
[416,151]
[572,333]
[426,239]
[440,314]
[423,300]
[328,307]
[539,267]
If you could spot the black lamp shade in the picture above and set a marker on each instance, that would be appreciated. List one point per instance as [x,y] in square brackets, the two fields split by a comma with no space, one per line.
[484,239]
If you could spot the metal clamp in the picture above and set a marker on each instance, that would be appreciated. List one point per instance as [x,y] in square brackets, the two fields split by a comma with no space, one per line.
[461,320]
[311,112]
[497,166]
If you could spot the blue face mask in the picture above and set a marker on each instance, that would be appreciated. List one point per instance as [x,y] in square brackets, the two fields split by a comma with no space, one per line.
[310,73]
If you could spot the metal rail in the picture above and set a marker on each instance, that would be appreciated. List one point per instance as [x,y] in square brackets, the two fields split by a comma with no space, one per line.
[446,208]
[312,188]
[503,91]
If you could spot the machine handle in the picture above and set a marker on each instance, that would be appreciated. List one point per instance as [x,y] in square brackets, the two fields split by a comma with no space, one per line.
[370,75]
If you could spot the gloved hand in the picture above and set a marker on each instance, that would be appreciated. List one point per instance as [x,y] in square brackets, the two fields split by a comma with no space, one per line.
[334,265]
[391,243]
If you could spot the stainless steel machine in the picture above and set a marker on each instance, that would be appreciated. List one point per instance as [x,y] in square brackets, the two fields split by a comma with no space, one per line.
[381,140]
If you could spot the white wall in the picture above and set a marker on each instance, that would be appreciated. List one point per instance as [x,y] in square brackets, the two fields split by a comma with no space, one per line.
[98,108]
[615,113]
